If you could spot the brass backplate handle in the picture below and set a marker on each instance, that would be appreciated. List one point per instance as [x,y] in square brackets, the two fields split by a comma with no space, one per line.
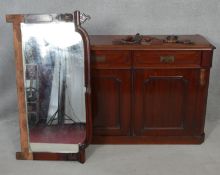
[100,59]
[202,77]
[167,59]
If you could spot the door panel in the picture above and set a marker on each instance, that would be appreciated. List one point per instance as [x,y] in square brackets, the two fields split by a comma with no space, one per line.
[165,101]
[111,102]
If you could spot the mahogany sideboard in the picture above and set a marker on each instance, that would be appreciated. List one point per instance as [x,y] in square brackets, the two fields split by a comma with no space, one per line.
[149,93]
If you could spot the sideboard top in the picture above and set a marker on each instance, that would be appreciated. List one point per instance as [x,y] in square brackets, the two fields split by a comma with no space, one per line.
[106,42]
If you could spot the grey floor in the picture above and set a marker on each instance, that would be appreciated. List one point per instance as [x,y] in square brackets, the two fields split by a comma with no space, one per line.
[118,159]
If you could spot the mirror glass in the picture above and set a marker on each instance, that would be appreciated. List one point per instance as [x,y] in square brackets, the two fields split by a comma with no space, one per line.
[53,60]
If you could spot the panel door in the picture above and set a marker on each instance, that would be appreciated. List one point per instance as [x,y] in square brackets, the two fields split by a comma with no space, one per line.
[111,98]
[165,101]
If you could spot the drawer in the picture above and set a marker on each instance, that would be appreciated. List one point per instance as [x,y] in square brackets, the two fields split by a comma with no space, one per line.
[167,58]
[110,59]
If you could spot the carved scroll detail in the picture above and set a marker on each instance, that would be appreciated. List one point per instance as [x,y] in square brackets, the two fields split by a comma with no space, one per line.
[84,17]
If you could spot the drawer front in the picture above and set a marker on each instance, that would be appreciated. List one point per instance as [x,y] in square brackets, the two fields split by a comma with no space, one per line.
[167,58]
[110,59]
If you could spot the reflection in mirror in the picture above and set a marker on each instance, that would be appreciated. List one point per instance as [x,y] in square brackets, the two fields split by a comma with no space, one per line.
[53,60]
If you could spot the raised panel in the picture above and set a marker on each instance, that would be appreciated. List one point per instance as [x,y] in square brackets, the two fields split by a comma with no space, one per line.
[165,101]
[111,102]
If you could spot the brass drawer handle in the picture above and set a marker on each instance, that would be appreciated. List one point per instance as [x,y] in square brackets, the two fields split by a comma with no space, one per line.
[167,59]
[100,59]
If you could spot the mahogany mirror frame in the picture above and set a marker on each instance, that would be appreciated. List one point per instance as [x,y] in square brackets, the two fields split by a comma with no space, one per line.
[25,153]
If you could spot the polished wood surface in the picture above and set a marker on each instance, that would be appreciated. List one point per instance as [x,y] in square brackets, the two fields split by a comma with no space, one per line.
[111,102]
[165,101]
[181,58]
[110,59]
[105,42]
[148,139]
[87,69]
[80,156]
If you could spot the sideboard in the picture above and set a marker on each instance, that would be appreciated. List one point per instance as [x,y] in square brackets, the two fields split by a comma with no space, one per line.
[149,93]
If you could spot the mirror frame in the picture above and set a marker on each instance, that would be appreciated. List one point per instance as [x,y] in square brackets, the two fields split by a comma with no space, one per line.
[26,154]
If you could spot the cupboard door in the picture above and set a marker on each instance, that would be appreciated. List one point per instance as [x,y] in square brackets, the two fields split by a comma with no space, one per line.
[111,98]
[165,101]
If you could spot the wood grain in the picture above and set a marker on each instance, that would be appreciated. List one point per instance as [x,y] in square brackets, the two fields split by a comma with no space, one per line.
[167,100]
[148,139]
[111,102]
[153,58]
[24,138]
[164,101]
[105,42]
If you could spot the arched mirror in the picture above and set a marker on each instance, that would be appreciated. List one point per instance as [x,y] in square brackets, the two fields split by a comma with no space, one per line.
[53,79]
